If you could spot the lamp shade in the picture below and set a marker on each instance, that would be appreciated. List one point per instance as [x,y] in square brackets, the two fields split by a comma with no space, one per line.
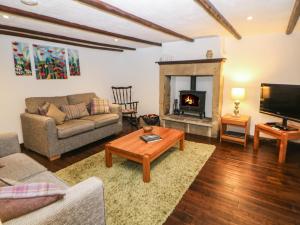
[238,93]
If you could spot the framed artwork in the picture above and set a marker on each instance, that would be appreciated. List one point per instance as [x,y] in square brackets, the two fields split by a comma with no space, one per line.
[50,62]
[73,62]
[21,59]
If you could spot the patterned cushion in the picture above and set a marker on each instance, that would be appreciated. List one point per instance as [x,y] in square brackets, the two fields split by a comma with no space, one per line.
[99,106]
[44,109]
[25,198]
[56,114]
[75,111]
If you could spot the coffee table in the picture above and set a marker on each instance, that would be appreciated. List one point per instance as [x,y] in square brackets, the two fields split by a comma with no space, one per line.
[133,148]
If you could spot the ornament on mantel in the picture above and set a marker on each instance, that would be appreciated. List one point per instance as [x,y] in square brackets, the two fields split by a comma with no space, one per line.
[209,54]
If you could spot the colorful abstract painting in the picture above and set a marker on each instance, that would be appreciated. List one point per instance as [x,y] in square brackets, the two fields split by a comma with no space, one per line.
[21,59]
[50,62]
[74,62]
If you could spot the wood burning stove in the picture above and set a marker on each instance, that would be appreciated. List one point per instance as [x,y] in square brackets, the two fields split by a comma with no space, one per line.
[192,101]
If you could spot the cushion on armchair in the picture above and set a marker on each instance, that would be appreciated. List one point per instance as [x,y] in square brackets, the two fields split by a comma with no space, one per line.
[21,199]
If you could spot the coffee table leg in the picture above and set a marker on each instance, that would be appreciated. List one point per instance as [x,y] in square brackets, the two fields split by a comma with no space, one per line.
[108,157]
[146,168]
[181,143]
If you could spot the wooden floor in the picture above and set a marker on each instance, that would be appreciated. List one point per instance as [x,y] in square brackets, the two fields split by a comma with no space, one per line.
[234,187]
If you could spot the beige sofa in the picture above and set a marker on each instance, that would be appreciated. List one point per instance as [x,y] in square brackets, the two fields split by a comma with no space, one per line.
[42,135]
[83,203]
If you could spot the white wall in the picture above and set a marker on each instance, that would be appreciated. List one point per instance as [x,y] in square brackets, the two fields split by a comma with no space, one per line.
[257,59]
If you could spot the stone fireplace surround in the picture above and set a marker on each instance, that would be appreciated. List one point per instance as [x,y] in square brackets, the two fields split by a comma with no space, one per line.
[202,67]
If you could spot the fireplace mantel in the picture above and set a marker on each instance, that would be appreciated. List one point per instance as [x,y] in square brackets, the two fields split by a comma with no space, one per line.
[216,60]
[200,67]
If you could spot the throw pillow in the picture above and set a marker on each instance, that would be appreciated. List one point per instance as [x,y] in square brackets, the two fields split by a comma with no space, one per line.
[99,106]
[75,111]
[25,198]
[44,109]
[56,114]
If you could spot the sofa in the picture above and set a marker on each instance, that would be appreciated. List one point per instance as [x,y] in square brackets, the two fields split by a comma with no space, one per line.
[42,135]
[82,204]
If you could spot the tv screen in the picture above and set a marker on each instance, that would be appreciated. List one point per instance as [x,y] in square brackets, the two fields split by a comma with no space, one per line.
[281,100]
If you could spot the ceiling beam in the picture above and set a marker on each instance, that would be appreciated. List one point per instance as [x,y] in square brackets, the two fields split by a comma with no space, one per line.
[23,30]
[54,20]
[17,34]
[294,17]
[129,16]
[212,10]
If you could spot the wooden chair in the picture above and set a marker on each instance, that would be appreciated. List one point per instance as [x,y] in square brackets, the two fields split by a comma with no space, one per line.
[122,96]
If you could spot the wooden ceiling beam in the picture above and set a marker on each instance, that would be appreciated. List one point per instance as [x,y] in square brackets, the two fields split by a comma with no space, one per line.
[61,22]
[214,13]
[294,17]
[17,34]
[129,16]
[23,30]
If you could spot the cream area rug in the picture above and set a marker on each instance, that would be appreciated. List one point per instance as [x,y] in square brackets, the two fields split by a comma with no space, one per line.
[130,201]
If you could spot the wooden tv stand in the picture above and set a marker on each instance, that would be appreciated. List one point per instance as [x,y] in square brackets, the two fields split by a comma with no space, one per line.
[281,136]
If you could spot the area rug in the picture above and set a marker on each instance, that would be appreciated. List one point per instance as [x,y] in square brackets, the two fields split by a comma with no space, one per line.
[130,201]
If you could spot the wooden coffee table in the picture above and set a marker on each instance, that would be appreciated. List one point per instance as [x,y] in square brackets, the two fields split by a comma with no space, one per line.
[133,148]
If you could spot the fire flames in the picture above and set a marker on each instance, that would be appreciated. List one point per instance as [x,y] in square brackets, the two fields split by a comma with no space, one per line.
[189,100]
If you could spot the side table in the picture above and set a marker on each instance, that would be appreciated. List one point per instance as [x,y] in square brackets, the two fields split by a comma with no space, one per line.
[237,137]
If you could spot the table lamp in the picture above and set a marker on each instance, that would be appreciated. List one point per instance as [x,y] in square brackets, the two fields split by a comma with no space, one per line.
[237,94]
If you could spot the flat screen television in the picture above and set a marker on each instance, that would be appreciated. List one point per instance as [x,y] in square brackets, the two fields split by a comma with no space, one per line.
[281,100]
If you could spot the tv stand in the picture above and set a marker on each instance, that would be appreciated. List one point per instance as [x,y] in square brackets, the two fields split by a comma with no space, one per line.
[282,137]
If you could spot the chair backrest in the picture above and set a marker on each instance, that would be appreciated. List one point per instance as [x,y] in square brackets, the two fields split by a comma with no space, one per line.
[122,95]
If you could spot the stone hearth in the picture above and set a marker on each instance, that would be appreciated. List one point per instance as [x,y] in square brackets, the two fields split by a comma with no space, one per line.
[205,67]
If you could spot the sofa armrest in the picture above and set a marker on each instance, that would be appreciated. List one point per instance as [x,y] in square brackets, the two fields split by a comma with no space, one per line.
[9,144]
[83,204]
[117,109]
[39,133]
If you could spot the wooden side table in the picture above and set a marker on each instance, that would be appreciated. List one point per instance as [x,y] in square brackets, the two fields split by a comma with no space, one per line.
[281,136]
[241,121]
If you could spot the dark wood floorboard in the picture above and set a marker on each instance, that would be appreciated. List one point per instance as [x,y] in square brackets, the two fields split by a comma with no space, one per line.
[235,186]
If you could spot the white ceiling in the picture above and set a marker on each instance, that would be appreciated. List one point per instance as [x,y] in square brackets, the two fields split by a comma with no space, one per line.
[183,16]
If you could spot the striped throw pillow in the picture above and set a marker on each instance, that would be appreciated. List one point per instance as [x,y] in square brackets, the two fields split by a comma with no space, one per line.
[99,106]
[75,111]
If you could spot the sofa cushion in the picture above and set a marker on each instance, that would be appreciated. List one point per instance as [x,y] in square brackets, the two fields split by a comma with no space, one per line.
[75,111]
[99,106]
[79,98]
[19,166]
[73,127]
[33,103]
[102,120]
[56,114]
[47,177]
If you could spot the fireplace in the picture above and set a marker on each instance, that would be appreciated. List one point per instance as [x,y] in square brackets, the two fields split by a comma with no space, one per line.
[192,101]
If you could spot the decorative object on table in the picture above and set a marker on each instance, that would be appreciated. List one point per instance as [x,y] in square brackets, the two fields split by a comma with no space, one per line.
[151,119]
[209,54]
[50,62]
[21,59]
[147,129]
[123,97]
[176,110]
[74,66]
[237,94]
[148,138]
